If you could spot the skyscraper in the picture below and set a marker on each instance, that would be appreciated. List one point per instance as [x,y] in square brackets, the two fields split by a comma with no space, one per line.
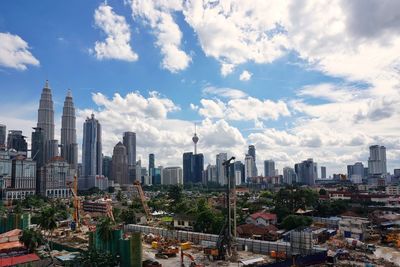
[248,167]
[323,172]
[289,175]
[307,172]
[129,141]
[46,123]
[15,140]
[377,160]
[172,176]
[151,166]
[252,152]
[107,166]
[3,132]
[119,168]
[220,158]
[37,154]
[193,166]
[269,168]
[91,148]
[69,147]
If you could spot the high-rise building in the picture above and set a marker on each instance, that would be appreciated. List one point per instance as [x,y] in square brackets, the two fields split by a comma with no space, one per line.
[55,176]
[211,173]
[69,146]
[248,167]
[239,168]
[15,140]
[172,176]
[92,148]
[220,159]
[157,176]
[46,123]
[269,168]
[107,166]
[252,152]
[119,168]
[323,172]
[289,175]
[38,155]
[129,141]
[193,166]
[377,160]
[3,133]
[23,178]
[307,172]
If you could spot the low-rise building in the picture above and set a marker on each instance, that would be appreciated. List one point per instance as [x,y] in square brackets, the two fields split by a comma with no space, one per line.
[184,222]
[262,218]
[393,190]
[354,227]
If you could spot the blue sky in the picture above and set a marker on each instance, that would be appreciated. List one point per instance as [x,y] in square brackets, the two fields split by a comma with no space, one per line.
[323,86]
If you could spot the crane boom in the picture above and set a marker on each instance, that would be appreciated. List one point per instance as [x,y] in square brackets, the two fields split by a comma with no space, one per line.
[143,199]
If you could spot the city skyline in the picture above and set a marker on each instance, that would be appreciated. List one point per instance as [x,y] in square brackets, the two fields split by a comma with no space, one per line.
[291,100]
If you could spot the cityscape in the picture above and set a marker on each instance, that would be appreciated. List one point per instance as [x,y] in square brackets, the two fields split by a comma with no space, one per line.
[257,137]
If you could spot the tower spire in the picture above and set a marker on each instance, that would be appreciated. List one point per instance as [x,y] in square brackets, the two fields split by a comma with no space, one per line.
[195,139]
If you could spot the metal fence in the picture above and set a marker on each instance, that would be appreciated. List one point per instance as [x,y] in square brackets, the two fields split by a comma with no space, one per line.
[255,246]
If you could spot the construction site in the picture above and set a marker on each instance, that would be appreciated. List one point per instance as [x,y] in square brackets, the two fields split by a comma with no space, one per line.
[149,243]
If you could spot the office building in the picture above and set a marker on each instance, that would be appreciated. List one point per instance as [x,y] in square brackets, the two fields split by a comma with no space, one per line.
[5,169]
[220,159]
[289,175]
[3,133]
[355,172]
[248,167]
[23,178]
[46,123]
[151,166]
[16,141]
[307,172]
[323,172]
[56,175]
[92,148]
[377,161]
[69,146]
[172,176]
[269,168]
[193,166]
[129,141]
[119,168]
[38,155]
[252,152]
[211,173]
[157,176]
[107,166]
[239,169]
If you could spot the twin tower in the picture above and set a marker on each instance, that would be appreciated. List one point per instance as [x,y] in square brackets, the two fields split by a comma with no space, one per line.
[45,124]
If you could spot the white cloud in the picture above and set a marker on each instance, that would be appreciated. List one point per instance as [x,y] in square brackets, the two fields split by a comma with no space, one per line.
[158,15]
[229,93]
[14,52]
[245,75]
[243,109]
[117,42]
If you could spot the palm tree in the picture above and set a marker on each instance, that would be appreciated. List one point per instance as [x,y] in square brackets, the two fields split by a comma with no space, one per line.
[31,239]
[105,228]
[48,222]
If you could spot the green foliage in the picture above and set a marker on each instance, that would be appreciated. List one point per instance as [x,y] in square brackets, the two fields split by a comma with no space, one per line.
[95,258]
[323,192]
[331,208]
[34,201]
[175,193]
[127,216]
[119,196]
[293,221]
[48,218]
[208,220]
[31,239]
[105,228]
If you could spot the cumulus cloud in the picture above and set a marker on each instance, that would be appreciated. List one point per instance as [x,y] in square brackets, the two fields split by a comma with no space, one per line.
[158,15]
[245,75]
[246,109]
[14,52]
[117,42]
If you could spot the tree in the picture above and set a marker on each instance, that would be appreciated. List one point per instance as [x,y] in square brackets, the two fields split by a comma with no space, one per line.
[95,258]
[31,239]
[175,193]
[293,221]
[127,216]
[105,228]
[48,222]
[119,196]
[323,192]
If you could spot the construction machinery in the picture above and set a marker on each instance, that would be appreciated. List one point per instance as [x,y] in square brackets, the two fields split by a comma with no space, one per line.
[191,258]
[139,189]
[109,210]
[76,202]
[391,238]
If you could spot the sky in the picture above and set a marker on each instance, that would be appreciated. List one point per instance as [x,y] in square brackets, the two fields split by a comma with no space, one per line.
[298,79]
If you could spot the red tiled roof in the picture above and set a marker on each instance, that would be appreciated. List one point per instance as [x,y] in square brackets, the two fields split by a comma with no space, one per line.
[12,261]
[10,245]
[12,233]
[264,215]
